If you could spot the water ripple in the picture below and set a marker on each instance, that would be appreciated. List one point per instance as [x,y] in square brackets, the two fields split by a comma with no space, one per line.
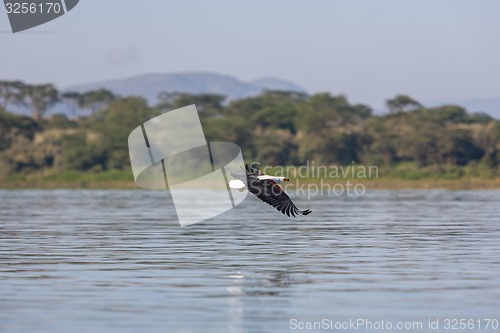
[117,261]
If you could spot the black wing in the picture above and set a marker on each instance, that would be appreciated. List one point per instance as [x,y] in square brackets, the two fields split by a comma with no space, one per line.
[271,193]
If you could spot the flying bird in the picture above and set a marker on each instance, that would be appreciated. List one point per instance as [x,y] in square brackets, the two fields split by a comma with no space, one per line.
[265,188]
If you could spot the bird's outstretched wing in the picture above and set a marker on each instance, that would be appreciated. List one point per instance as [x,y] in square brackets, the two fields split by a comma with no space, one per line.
[271,193]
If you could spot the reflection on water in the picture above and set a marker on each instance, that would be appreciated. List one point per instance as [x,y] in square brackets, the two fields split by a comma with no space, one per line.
[117,261]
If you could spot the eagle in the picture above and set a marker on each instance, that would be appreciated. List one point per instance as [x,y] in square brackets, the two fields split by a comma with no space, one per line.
[266,188]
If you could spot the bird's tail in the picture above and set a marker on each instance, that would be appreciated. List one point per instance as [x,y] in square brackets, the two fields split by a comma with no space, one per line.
[237,184]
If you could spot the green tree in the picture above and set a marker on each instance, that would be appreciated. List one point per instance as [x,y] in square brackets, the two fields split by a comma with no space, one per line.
[115,124]
[460,148]
[277,109]
[96,100]
[381,141]
[329,129]
[40,98]
[13,126]
[402,103]
[79,152]
[11,92]
[208,105]
[74,100]
[275,147]
[449,114]
[264,123]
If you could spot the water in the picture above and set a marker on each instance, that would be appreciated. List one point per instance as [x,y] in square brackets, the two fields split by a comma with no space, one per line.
[117,261]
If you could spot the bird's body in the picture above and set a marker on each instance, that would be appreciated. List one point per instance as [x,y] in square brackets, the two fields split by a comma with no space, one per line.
[266,188]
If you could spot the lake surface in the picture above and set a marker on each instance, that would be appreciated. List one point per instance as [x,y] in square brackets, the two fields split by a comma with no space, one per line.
[118,261]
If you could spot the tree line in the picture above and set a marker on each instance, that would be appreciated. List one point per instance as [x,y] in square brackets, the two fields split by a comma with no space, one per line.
[274,128]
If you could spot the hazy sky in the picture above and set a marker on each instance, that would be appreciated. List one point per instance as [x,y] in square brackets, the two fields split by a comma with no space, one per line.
[369,50]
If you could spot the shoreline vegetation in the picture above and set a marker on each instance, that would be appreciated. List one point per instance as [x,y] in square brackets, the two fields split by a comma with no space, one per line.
[320,138]
[123,179]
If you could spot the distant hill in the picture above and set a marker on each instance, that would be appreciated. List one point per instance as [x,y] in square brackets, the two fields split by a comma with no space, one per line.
[149,85]
[273,83]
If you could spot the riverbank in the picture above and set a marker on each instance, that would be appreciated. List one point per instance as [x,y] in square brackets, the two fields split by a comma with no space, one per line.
[122,179]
